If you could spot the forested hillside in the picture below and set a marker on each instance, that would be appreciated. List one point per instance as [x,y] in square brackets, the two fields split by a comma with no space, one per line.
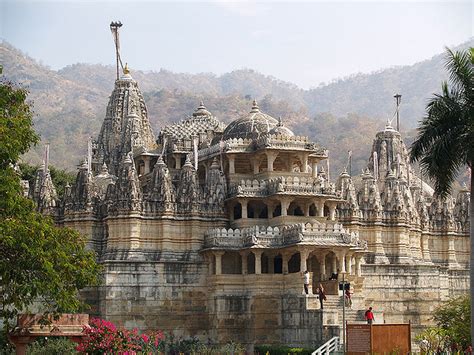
[342,115]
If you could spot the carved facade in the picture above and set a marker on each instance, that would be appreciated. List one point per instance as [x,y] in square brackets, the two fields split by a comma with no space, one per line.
[205,231]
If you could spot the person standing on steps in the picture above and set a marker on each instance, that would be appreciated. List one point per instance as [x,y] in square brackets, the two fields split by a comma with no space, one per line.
[321,295]
[306,281]
[369,316]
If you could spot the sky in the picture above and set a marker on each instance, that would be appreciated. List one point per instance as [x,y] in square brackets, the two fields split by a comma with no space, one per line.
[307,43]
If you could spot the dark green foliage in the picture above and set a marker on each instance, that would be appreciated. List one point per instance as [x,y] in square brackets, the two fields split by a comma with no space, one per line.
[52,346]
[38,261]
[281,350]
[452,331]
[445,141]
[454,317]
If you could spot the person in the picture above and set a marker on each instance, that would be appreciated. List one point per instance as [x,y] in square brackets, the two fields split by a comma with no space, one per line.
[369,316]
[321,295]
[306,281]
[348,298]
[334,275]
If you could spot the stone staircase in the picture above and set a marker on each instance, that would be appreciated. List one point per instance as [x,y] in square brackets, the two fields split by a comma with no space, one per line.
[333,309]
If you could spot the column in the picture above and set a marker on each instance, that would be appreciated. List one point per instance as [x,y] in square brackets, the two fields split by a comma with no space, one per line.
[341,258]
[218,255]
[305,163]
[303,260]
[244,203]
[245,269]
[322,264]
[285,203]
[271,156]
[320,205]
[270,209]
[256,165]
[270,264]
[306,209]
[177,159]
[315,169]
[147,164]
[332,211]
[348,260]
[258,261]
[334,264]
[358,260]
[285,257]
[231,163]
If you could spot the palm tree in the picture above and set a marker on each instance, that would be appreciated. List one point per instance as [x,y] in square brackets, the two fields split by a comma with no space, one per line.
[445,141]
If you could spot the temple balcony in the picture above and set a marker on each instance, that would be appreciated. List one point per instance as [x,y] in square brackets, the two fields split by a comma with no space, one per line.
[318,234]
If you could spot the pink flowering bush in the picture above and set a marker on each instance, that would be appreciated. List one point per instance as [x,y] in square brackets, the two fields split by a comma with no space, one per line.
[103,337]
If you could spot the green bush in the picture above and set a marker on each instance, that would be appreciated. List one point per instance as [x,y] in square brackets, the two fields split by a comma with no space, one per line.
[280,350]
[52,346]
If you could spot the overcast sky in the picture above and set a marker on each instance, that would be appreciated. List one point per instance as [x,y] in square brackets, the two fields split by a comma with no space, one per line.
[302,42]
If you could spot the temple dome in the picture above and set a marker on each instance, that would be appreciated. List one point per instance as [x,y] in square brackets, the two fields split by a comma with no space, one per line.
[281,130]
[201,111]
[252,125]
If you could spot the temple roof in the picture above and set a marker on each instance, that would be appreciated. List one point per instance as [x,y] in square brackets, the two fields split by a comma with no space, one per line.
[200,122]
[252,125]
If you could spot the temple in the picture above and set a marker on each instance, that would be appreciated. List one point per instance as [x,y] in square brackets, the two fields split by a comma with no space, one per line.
[205,230]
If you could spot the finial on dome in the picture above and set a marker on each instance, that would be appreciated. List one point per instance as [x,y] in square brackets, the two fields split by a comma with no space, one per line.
[126,70]
[280,123]
[160,160]
[187,163]
[104,169]
[255,107]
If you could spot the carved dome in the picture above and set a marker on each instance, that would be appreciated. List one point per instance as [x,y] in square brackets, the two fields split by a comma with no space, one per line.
[252,125]
[281,130]
[201,111]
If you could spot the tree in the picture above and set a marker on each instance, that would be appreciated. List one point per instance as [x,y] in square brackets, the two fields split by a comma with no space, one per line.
[452,331]
[445,140]
[39,262]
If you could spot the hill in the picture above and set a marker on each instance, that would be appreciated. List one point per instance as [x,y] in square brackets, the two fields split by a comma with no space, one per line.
[342,115]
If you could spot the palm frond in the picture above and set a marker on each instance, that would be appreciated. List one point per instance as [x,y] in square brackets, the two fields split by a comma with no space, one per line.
[460,67]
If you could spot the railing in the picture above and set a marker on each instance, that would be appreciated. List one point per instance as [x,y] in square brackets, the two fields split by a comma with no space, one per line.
[328,347]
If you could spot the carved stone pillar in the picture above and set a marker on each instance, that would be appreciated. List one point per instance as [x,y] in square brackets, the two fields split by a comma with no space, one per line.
[341,256]
[218,255]
[244,204]
[177,159]
[258,261]
[348,261]
[314,169]
[305,163]
[358,264]
[425,238]
[303,260]
[452,262]
[270,209]
[271,156]
[306,209]
[322,264]
[245,269]
[147,165]
[334,264]
[285,203]
[320,205]
[332,211]
[256,165]
[231,163]
[285,257]
[270,264]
